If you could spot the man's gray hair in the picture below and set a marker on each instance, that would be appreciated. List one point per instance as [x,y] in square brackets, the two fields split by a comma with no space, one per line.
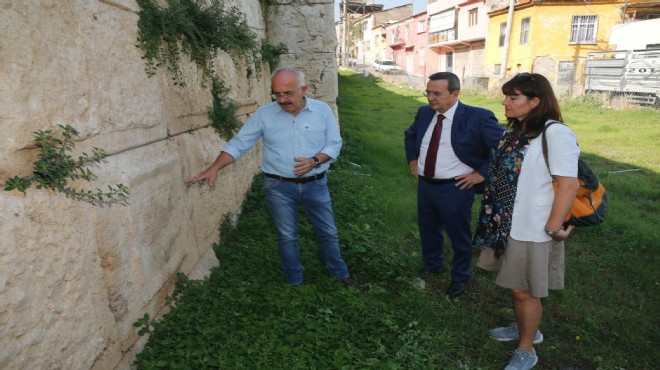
[300,76]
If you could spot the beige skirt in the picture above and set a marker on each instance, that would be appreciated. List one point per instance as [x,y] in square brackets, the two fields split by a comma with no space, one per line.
[528,266]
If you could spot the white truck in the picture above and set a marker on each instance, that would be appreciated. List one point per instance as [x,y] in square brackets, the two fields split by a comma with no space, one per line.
[634,74]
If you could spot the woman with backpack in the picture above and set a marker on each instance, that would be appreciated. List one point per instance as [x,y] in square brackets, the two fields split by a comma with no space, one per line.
[520,226]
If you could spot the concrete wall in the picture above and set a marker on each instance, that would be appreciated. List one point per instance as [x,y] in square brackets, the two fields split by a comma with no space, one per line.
[74,277]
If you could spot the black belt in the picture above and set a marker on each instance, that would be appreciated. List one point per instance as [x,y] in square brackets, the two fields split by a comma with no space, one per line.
[297,180]
[439,181]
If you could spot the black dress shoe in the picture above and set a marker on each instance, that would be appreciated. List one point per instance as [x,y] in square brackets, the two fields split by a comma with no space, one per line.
[351,282]
[456,288]
[436,271]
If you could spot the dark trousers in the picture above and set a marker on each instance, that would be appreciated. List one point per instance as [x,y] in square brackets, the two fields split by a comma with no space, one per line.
[445,207]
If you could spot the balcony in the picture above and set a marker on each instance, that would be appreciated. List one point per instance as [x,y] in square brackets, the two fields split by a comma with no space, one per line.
[441,37]
[397,43]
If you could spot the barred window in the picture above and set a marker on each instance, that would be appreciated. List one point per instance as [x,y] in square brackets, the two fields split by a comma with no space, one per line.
[583,29]
[566,73]
[524,31]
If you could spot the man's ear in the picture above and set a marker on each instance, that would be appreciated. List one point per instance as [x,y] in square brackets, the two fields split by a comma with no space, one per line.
[303,90]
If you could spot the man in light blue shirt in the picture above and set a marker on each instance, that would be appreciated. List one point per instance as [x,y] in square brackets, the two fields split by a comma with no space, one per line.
[300,140]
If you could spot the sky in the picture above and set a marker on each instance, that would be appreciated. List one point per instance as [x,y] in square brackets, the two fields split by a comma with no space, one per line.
[418,5]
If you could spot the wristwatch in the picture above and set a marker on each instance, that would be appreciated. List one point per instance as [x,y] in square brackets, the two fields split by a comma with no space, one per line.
[550,233]
[317,162]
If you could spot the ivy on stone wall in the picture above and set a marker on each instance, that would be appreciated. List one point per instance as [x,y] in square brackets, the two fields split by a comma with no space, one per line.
[54,169]
[187,27]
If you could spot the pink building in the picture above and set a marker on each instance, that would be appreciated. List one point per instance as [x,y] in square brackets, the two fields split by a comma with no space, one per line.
[406,42]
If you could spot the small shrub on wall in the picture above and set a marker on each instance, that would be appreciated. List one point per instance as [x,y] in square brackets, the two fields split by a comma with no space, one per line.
[54,169]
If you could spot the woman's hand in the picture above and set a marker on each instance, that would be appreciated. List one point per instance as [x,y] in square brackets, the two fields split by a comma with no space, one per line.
[563,233]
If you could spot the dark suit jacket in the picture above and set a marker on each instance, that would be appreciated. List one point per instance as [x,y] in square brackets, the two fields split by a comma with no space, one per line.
[474,132]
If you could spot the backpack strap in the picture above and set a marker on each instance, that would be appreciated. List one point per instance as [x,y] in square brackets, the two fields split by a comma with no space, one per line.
[544,144]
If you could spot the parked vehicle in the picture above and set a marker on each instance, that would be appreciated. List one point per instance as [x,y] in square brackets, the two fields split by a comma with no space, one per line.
[634,74]
[386,66]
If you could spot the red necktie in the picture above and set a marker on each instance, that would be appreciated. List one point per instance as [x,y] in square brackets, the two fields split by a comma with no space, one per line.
[432,153]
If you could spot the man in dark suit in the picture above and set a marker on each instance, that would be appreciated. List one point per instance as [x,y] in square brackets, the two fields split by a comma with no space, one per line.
[448,147]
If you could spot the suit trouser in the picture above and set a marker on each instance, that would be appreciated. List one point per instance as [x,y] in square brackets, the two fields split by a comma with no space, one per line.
[445,207]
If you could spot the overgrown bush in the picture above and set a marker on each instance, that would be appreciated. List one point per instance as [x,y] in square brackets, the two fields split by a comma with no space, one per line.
[201,32]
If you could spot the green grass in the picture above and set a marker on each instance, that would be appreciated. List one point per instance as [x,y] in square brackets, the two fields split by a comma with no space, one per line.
[246,317]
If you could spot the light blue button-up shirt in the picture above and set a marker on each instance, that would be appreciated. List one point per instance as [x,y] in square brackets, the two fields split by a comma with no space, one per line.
[285,136]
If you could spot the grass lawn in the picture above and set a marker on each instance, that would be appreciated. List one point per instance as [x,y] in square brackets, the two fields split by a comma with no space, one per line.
[246,317]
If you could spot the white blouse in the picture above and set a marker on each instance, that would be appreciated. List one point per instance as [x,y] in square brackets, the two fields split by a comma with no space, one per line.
[535,192]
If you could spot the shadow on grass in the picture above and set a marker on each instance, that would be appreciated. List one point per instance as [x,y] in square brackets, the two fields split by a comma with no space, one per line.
[246,317]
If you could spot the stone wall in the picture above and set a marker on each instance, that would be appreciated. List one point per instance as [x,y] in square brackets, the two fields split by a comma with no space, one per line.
[75,277]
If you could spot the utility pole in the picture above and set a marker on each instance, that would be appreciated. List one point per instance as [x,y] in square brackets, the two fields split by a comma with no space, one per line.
[344,56]
[507,38]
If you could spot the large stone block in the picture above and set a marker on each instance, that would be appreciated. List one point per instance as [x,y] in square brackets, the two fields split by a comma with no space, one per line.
[54,309]
[304,33]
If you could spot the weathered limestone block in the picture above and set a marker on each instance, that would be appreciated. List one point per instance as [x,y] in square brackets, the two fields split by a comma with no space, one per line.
[72,63]
[54,309]
[305,33]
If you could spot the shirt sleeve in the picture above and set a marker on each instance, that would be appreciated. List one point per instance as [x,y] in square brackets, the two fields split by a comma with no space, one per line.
[246,137]
[333,142]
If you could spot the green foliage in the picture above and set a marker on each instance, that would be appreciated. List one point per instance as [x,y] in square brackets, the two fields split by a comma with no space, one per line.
[188,27]
[54,169]
[271,53]
[246,317]
[223,111]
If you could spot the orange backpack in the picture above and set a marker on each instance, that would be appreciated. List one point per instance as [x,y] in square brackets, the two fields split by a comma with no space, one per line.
[591,200]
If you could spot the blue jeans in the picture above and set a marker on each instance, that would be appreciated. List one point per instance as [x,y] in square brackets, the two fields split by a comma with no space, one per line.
[283,199]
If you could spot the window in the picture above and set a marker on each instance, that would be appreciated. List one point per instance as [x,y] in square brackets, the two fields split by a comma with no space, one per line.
[524,31]
[421,26]
[450,61]
[422,56]
[407,33]
[583,29]
[566,75]
[502,33]
[497,69]
[472,17]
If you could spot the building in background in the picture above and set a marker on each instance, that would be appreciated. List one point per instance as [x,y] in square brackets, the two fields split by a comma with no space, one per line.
[406,44]
[552,37]
[360,19]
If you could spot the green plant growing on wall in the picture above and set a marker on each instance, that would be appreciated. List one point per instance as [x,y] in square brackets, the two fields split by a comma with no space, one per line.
[54,169]
[271,53]
[186,27]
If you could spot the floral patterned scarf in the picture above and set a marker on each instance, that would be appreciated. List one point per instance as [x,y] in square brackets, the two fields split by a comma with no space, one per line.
[494,223]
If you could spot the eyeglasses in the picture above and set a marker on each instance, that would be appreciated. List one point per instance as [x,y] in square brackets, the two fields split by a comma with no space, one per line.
[286,94]
[437,94]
